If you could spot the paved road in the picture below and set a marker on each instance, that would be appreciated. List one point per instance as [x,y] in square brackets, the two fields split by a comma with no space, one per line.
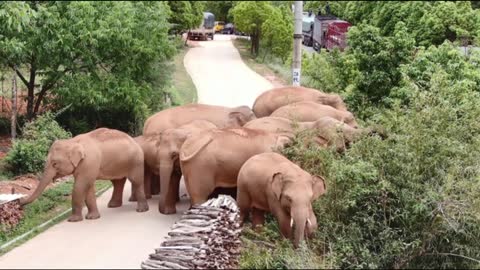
[122,238]
[220,75]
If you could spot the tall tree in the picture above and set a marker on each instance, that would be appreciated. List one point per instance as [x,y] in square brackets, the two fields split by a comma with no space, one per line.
[185,15]
[220,9]
[61,40]
[249,17]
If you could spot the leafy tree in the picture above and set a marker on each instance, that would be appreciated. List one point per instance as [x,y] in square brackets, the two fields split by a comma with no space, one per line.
[249,17]
[65,39]
[220,9]
[185,15]
[277,33]
[377,59]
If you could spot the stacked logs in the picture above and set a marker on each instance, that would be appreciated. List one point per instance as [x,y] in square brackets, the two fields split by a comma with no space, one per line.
[10,212]
[206,236]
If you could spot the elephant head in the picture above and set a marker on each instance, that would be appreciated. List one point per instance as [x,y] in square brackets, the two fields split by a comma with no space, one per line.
[63,158]
[295,193]
[239,116]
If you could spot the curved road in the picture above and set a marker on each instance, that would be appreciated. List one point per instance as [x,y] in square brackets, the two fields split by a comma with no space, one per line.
[123,238]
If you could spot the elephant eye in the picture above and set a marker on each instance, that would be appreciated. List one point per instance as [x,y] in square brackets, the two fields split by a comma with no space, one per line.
[54,164]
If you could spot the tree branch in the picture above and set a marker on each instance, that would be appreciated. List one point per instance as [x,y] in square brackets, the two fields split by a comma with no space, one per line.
[20,75]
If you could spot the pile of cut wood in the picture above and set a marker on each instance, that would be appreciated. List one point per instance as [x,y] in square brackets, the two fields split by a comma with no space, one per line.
[10,211]
[206,236]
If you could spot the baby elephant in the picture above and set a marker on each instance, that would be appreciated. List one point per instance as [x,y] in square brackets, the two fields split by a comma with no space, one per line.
[270,182]
[100,154]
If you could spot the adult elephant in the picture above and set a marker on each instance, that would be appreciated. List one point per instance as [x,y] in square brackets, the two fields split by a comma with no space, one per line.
[220,116]
[269,182]
[308,111]
[212,158]
[148,143]
[175,117]
[168,149]
[328,131]
[269,101]
[100,154]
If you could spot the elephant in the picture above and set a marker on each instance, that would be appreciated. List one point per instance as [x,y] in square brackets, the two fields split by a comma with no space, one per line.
[152,182]
[269,101]
[222,117]
[212,158]
[327,130]
[169,166]
[99,154]
[308,111]
[269,182]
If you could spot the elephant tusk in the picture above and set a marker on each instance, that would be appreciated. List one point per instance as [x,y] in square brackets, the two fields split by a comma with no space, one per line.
[309,222]
[291,222]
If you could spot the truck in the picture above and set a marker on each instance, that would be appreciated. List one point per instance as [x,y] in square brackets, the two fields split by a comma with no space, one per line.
[205,30]
[307,28]
[329,32]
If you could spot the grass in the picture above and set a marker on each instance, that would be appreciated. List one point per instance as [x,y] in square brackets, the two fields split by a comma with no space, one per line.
[269,67]
[185,91]
[50,204]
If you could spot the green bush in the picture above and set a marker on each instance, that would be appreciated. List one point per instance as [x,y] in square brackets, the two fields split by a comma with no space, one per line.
[410,200]
[28,153]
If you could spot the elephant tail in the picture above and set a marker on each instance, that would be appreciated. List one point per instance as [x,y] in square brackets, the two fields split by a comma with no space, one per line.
[191,148]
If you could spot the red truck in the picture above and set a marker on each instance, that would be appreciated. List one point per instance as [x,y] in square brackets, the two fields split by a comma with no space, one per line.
[329,32]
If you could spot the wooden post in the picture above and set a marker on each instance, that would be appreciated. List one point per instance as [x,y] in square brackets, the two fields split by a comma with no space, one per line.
[14,106]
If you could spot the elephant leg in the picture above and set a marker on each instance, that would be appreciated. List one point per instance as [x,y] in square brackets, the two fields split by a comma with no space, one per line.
[166,205]
[199,187]
[80,188]
[91,202]
[136,178]
[147,180]
[154,184]
[117,195]
[176,177]
[244,202]
[258,218]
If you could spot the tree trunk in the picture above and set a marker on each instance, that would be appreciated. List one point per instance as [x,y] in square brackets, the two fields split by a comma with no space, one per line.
[31,91]
[14,106]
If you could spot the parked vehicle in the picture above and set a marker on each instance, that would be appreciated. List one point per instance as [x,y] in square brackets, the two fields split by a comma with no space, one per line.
[219,25]
[307,28]
[228,29]
[205,30]
[329,32]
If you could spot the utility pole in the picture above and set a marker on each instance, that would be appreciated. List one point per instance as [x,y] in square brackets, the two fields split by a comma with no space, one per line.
[297,43]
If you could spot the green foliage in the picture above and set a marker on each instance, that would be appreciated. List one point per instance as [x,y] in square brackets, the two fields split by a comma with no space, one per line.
[410,200]
[185,15]
[28,153]
[249,17]
[220,9]
[277,32]
[428,22]
[378,58]
[90,41]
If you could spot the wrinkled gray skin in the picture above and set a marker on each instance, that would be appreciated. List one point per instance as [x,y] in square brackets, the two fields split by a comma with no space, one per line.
[269,182]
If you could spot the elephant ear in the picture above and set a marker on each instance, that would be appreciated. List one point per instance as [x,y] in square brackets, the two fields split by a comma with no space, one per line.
[282,141]
[237,119]
[277,184]
[319,187]
[76,154]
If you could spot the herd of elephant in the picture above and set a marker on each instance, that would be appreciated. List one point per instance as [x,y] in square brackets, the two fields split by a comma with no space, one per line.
[212,147]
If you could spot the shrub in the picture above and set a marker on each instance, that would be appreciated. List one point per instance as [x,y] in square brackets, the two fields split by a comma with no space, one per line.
[410,200]
[28,153]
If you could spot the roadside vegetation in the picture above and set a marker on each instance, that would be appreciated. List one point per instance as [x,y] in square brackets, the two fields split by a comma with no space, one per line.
[411,200]
[80,66]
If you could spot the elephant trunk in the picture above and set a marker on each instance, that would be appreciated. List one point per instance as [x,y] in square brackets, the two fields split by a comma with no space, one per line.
[167,198]
[48,177]
[299,217]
